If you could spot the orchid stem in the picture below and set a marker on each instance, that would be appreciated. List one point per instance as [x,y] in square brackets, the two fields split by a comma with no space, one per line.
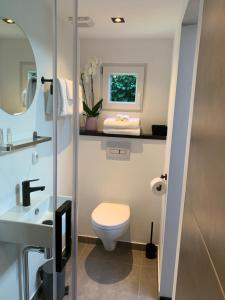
[82,81]
[92,91]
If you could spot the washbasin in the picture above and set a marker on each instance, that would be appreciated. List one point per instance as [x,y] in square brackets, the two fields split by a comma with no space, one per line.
[30,225]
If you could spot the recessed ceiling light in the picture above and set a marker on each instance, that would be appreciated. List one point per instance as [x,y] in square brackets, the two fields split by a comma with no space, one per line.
[118,20]
[8,21]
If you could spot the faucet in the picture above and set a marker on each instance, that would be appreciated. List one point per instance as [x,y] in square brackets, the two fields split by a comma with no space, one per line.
[26,189]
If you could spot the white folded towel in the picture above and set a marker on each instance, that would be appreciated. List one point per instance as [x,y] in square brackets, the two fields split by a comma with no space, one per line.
[123,131]
[113,123]
[65,105]
[49,105]
[81,110]
[120,117]
[65,98]
[28,93]
[69,89]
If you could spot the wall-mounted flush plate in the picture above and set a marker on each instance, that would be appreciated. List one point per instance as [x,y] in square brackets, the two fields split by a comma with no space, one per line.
[35,158]
[118,150]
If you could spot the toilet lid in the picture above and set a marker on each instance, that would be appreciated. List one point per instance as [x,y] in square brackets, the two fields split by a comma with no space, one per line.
[110,215]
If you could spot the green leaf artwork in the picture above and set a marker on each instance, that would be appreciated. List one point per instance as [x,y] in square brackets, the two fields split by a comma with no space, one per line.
[123,87]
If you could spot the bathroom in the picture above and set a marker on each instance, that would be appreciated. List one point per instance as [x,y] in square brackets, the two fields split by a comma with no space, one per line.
[85,181]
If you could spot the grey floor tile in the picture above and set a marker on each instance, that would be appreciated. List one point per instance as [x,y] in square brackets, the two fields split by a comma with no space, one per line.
[148,283]
[81,247]
[146,262]
[123,274]
[120,254]
[107,280]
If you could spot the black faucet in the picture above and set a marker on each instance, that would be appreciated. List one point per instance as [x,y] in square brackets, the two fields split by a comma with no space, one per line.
[26,189]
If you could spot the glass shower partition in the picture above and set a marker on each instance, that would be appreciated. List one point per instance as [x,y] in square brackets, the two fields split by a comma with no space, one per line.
[66,130]
[38,140]
[26,150]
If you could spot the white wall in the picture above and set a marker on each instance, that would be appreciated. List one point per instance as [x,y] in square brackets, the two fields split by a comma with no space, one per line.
[156,53]
[116,181]
[12,53]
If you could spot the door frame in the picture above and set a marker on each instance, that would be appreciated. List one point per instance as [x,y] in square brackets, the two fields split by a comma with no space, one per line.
[172,212]
[188,141]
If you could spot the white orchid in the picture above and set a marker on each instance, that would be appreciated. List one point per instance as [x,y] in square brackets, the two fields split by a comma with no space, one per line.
[86,76]
[90,69]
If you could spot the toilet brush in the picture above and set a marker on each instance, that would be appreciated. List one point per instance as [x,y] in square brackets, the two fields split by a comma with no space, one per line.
[151,249]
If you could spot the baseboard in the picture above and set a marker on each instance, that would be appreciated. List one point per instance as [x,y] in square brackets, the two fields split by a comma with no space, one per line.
[94,240]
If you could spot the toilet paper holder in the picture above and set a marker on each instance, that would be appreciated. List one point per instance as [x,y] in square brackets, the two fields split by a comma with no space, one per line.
[164,176]
[158,185]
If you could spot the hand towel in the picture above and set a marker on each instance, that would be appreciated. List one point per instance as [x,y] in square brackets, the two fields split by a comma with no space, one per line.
[80,100]
[65,105]
[131,123]
[69,89]
[49,105]
[29,93]
[24,97]
[123,131]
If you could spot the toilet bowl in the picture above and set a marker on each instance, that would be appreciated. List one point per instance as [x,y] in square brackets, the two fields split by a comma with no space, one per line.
[110,221]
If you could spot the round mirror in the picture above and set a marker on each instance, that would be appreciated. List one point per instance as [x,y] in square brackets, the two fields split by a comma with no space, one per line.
[18,72]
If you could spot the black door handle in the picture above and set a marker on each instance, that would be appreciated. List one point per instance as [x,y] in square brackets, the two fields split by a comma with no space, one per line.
[62,256]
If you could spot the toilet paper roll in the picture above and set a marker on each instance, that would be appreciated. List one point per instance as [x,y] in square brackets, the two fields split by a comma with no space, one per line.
[158,186]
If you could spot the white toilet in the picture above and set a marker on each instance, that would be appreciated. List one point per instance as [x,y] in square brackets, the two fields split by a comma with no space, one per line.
[110,221]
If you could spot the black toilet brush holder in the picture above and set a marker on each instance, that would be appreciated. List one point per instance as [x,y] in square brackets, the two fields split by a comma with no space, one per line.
[151,249]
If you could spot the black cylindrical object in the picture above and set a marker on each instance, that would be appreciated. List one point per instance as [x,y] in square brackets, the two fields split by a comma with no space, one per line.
[151,249]
[46,274]
[160,130]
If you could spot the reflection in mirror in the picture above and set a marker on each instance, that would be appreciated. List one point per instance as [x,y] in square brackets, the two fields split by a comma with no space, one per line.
[18,72]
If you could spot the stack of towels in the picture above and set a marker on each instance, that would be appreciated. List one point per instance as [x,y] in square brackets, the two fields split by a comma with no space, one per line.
[122,124]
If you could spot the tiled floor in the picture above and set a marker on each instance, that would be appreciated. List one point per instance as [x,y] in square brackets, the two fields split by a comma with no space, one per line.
[123,274]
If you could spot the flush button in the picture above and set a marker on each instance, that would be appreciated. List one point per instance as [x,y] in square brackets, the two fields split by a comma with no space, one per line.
[115,151]
[123,152]
[118,154]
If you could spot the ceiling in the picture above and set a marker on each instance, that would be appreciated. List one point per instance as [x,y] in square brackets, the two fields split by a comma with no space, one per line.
[144,18]
[10,31]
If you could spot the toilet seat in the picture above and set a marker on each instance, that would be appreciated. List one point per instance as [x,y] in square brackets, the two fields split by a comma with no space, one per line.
[109,216]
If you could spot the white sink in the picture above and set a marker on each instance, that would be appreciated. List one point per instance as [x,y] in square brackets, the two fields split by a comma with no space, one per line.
[23,225]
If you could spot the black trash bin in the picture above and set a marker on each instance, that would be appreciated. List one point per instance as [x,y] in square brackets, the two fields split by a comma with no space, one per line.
[46,275]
